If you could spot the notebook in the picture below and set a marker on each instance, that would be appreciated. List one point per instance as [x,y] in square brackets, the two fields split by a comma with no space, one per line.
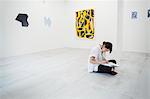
[110,64]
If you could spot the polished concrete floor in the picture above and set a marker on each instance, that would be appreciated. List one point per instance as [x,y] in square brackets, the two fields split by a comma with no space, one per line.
[62,74]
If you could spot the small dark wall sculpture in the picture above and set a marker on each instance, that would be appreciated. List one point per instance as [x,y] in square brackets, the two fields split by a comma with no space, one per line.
[23,19]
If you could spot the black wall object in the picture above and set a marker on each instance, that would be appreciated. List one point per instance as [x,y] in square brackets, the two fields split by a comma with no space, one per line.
[23,19]
[148,13]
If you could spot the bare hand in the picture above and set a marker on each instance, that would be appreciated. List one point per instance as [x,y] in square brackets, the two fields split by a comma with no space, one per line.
[104,62]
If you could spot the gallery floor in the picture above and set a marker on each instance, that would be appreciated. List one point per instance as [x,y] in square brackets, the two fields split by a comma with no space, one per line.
[62,74]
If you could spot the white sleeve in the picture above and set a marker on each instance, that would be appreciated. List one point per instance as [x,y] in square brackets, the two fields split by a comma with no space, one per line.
[93,53]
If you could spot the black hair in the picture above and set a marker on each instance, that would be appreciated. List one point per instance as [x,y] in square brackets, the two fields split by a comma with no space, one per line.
[108,45]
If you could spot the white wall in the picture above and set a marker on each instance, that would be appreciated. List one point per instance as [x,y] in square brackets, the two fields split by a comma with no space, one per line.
[1,31]
[105,22]
[120,27]
[135,30]
[116,26]
[36,37]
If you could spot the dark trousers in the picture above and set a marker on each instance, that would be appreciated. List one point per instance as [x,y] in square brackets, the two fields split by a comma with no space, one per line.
[106,69]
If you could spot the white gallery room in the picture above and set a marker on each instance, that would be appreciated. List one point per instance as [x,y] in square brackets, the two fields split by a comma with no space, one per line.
[74,49]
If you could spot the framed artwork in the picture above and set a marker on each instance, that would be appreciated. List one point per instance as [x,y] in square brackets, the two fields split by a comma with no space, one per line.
[134,15]
[148,13]
[47,21]
[85,24]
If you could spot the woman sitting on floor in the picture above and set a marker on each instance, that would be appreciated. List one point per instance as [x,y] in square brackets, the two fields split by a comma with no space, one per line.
[97,59]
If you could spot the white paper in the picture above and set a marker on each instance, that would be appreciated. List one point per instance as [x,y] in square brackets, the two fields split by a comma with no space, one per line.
[110,64]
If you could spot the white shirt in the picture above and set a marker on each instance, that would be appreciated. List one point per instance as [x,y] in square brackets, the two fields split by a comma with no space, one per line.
[99,56]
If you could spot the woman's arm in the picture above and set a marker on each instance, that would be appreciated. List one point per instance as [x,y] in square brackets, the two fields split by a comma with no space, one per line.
[94,61]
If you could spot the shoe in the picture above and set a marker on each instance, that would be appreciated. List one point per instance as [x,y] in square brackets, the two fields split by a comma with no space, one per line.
[113,73]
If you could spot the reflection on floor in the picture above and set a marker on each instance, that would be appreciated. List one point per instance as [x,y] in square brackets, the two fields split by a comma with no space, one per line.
[62,74]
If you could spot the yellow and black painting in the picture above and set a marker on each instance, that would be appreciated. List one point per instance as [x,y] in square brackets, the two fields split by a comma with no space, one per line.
[85,23]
